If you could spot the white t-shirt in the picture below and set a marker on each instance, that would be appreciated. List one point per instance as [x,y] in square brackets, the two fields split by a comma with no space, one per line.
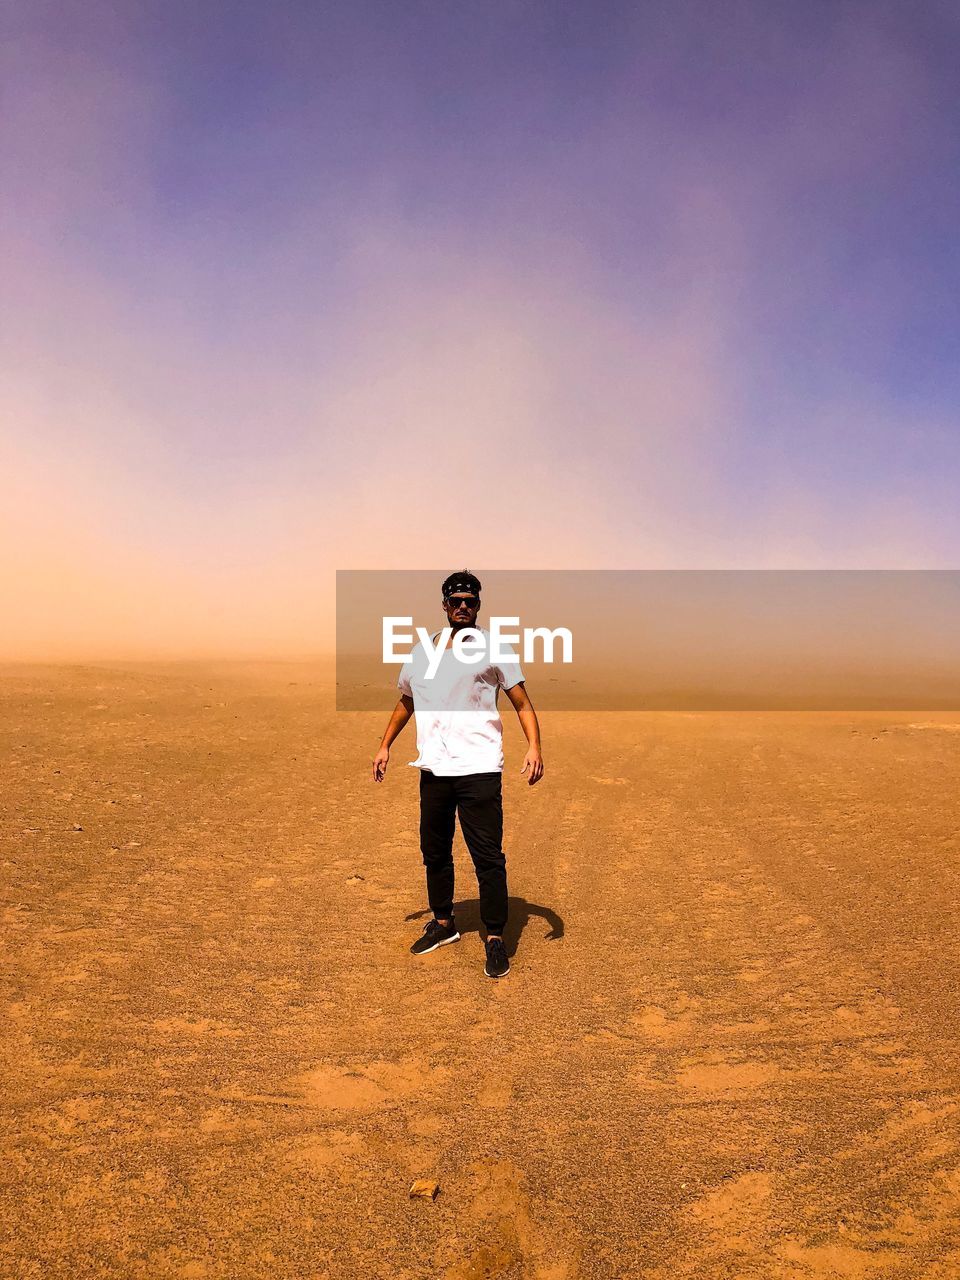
[459,729]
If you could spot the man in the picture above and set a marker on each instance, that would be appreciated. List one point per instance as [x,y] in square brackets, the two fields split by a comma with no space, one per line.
[460,742]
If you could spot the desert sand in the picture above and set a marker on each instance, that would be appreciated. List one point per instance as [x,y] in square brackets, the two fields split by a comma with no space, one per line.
[727,1046]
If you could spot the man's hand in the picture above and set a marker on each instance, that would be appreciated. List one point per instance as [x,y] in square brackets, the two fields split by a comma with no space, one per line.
[401,714]
[534,762]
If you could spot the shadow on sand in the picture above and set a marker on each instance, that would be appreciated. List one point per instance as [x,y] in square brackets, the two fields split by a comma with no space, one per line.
[467,913]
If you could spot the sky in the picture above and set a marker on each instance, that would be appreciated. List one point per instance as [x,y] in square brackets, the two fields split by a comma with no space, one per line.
[303,287]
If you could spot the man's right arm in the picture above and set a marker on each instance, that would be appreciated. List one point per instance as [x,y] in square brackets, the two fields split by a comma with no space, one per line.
[401,714]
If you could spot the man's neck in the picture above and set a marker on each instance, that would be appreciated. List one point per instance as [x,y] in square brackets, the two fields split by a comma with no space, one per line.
[454,628]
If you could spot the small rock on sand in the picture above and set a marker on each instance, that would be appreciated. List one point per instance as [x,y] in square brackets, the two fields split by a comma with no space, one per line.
[424,1189]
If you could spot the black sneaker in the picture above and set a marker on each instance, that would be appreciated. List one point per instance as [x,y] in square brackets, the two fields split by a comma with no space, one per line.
[497,966]
[435,935]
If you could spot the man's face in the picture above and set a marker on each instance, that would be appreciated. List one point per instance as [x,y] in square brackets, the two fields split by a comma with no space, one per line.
[461,609]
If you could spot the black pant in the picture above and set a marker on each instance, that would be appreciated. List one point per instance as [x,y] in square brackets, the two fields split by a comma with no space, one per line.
[477,799]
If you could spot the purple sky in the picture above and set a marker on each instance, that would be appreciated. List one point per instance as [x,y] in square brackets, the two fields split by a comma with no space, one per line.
[302,286]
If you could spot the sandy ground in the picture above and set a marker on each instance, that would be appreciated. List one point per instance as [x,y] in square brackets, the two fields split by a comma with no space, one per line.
[727,1047]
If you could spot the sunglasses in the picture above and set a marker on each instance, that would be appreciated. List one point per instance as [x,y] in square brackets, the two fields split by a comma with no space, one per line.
[468,602]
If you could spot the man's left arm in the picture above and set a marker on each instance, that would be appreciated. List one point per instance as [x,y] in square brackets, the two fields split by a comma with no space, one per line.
[531,727]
